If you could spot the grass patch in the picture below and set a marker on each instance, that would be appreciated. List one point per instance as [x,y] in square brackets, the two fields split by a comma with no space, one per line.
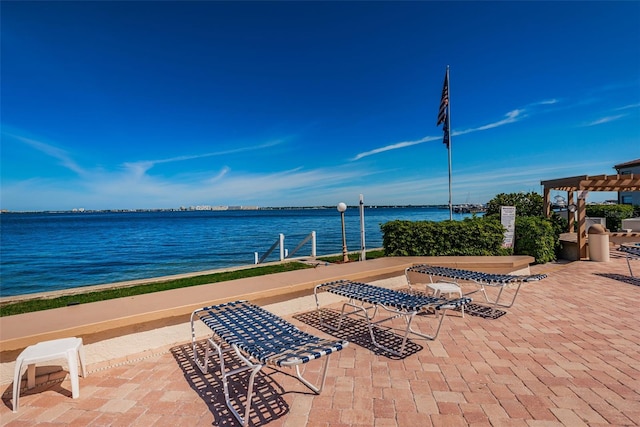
[107,294]
[354,256]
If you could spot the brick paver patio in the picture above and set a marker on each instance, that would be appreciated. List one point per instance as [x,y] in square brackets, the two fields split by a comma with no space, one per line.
[567,353]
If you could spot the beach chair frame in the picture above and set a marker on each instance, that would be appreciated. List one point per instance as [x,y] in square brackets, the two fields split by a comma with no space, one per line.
[631,252]
[258,338]
[366,299]
[482,280]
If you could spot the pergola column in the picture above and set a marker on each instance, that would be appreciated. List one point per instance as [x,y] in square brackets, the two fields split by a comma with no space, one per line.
[547,202]
[570,215]
[582,224]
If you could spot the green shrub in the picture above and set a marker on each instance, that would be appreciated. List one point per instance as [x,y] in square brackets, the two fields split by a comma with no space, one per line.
[527,204]
[472,236]
[530,220]
[613,214]
[559,224]
[536,237]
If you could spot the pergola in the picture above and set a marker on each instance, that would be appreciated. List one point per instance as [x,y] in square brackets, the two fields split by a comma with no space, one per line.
[581,185]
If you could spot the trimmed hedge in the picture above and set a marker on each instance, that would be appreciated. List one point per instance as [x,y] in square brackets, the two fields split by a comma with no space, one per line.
[472,236]
[535,235]
[613,214]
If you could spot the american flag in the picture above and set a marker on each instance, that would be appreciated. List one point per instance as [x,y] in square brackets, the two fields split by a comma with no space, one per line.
[442,113]
[445,139]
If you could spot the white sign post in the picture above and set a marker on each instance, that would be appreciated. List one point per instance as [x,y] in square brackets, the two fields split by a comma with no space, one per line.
[508,220]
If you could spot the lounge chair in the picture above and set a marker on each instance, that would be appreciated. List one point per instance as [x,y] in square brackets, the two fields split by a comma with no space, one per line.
[632,252]
[258,337]
[501,281]
[363,297]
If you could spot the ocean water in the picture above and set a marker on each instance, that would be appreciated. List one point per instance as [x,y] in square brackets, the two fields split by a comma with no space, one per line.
[52,251]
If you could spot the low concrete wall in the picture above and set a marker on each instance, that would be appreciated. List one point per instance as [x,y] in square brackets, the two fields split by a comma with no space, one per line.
[632,224]
[569,250]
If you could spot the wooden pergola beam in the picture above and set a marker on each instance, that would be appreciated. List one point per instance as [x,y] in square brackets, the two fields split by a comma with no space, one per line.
[627,182]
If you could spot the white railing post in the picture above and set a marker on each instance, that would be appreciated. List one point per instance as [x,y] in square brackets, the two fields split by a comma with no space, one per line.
[313,244]
[255,258]
[282,256]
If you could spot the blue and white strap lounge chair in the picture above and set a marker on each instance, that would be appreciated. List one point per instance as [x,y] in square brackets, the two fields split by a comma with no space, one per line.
[258,337]
[632,252]
[363,297]
[501,281]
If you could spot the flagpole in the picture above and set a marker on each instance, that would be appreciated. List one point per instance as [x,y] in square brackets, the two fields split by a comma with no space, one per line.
[448,124]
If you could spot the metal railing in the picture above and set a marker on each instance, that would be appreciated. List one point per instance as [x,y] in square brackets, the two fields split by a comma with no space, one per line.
[284,253]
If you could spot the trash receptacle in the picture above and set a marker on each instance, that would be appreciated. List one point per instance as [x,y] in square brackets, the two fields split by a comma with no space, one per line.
[598,243]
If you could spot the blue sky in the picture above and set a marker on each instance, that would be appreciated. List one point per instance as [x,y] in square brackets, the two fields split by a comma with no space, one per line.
[110,105]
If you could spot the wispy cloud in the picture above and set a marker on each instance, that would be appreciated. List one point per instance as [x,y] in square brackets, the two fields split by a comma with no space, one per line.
[627,107]
[132,185]
[546,102]
[395,146]
[225,170]
[136,168]
[604,120]
[57,153]
[612,117]
[144,165]
[511,117]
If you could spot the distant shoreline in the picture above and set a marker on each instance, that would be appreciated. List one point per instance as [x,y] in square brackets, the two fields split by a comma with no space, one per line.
[218,208]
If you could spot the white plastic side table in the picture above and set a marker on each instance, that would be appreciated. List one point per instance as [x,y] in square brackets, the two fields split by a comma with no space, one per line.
[65,348]
[439,288]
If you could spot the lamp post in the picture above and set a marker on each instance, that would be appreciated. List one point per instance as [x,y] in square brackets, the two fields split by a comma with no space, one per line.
[342,208]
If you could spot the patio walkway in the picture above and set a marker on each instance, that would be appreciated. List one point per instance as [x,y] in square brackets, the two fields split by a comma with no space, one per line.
[567,353]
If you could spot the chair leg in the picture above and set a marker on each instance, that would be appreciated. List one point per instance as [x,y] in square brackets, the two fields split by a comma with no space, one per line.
[16,384]
[462,306]
[82,358]
[225,374]
[72,360]
[315,388]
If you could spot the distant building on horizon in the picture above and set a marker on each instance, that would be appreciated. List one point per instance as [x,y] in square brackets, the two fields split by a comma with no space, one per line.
[219,208]
[629,197]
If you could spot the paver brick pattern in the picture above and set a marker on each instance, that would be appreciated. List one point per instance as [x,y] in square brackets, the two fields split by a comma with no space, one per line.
[567,353]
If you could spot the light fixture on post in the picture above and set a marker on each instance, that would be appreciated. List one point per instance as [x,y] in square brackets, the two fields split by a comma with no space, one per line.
[342,208]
